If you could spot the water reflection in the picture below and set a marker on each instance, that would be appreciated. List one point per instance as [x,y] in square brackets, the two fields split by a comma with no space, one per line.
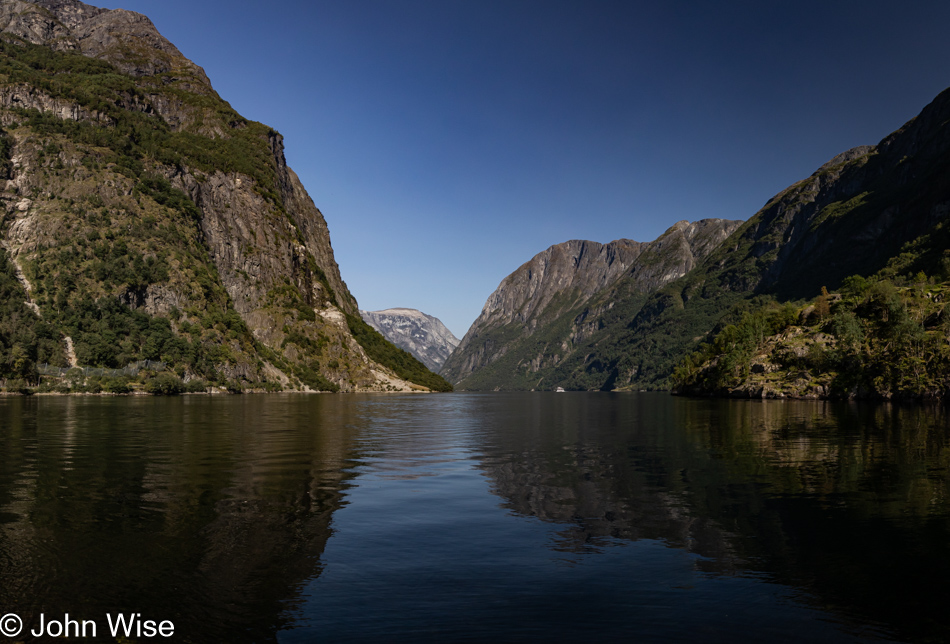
[847,502]
[209,513]
[477,517]
[597,465]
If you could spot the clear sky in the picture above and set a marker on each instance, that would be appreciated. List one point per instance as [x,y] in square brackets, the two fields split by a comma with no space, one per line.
[447,142]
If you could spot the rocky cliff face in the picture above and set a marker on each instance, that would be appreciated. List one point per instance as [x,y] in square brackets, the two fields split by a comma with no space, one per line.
[542,312]
[557,279]
[132,187]
[420,334]
[126,39]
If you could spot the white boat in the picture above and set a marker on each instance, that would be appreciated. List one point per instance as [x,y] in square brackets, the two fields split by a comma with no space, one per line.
[560,390]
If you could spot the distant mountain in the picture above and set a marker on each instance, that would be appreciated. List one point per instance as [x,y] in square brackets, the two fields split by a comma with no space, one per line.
[536,326]
[422,335]
[141,217]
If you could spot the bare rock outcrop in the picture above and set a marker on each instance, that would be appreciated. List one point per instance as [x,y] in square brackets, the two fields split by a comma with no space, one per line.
[124,38]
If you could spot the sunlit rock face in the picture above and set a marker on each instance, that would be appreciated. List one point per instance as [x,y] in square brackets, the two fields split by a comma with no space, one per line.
[422,335]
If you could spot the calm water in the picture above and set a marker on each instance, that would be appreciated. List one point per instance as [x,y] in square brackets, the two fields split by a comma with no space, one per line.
[483,518]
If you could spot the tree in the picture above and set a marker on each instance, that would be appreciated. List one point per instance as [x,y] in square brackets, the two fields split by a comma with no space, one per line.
[822,306]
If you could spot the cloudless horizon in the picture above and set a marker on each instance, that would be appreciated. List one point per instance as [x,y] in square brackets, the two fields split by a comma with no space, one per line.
[448,142]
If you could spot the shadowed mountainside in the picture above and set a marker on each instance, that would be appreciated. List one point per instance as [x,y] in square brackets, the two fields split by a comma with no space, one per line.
[535,330]
[852,216]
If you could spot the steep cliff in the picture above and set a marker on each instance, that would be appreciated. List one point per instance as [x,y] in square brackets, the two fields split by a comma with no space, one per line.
[146,219]
[537,324]
[422,335]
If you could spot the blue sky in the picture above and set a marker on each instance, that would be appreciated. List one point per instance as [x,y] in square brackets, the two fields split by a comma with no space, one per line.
[447,142]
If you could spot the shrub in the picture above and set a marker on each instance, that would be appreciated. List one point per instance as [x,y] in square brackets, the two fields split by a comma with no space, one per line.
[164,384]
[19,386]
[115,385]
[847,328]
[196,386]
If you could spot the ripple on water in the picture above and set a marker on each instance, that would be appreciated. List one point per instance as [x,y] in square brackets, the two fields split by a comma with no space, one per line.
[479,517]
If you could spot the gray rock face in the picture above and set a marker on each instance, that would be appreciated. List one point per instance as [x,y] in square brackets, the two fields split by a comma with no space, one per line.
[35,25]
[424,336]
[850,216]
[126,39]
[558,297]
[853,216]
[571,272]
[30,98]
[72,13]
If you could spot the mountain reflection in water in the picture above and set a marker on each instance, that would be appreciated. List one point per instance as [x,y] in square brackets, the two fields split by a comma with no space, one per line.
[847,502]
[207,512]
[478,517]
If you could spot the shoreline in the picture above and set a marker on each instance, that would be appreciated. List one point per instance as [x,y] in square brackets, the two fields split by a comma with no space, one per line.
[16,394]
[773,395]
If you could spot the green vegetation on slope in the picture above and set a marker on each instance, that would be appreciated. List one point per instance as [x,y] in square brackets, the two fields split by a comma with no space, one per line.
[846,219]
[118,245]
[532,362]
[107,252]
[134,136]
[25,340]
[621,338]
[882,337]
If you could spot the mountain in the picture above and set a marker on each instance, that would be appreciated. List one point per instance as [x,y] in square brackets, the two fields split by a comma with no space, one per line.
[865,208]
[882,337]
[144,218]
[424,336]
[539,323]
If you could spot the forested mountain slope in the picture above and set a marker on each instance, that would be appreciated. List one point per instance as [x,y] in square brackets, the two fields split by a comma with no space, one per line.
[143,218]
[882,337]
[853,216]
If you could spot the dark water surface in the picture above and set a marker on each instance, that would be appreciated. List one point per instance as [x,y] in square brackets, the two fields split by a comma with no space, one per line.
[477,517]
